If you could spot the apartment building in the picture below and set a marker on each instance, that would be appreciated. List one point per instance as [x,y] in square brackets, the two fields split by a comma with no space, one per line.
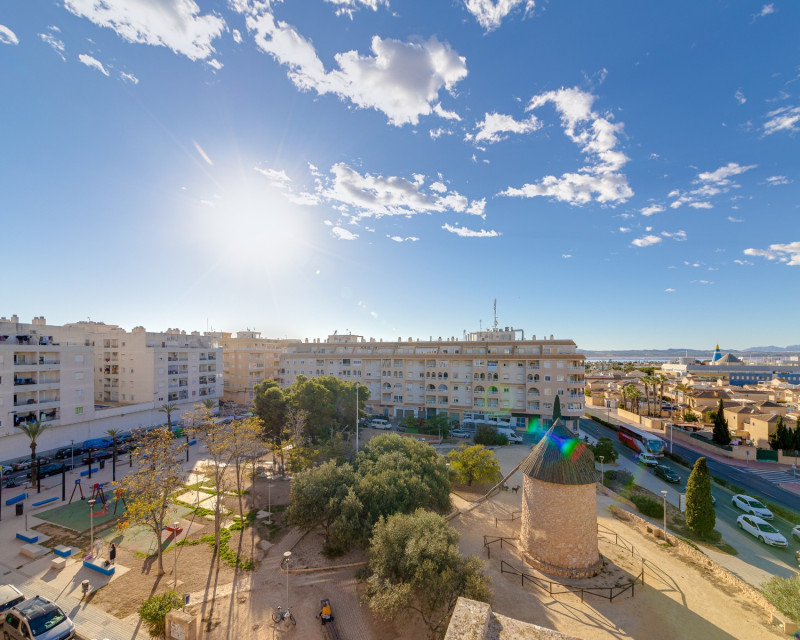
[248,359]
[87,377]
[487,372]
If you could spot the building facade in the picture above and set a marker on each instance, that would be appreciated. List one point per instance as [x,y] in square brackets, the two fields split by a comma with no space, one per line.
[487,372]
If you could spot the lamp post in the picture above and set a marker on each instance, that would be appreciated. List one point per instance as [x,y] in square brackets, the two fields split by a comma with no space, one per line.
[356,417]
[664,493]
[91,502]
[602,472]
[286,556]
[747,461]
[175,568]
[269,499]
[72,453]
[670,434]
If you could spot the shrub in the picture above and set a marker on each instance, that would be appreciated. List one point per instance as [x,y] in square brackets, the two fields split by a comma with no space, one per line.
[488,436]
[618,480]
[605,448]
[648,506]
[784,593]
[154,610]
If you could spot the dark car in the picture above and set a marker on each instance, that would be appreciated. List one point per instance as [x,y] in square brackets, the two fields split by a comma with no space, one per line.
[665,473]
[50,469]
[97,455]
[68,452]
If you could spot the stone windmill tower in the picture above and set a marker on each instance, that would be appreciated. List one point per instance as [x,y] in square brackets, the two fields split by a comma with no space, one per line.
[559,506]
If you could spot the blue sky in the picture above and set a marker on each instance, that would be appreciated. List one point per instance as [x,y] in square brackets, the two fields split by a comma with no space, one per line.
[624,174]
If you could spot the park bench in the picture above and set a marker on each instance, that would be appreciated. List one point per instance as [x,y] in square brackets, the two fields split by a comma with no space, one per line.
[33,550]
[31,537]
[328,626]
[58,563]
[63,551]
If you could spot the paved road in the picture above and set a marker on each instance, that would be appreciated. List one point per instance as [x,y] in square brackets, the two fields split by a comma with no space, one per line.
[772,560]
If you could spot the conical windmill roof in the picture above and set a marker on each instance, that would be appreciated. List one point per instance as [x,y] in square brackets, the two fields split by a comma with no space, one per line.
[560,458]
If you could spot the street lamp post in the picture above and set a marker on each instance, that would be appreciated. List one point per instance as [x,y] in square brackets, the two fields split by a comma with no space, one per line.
[664,493]
[91,502]
[72,453]
[670,435]
[175,567]
[602,472]
[747,461]
[286,556]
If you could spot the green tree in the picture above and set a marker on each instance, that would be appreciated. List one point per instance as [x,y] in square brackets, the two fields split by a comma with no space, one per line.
[325,496]
[414,563]
[270,404]
[556,408]
[33,430]
[474,464]
[168,408]
[314,398]
[647,381]
[399,474]
[157,473]
[488,436]
[721,434]
[605,447]
[700,515]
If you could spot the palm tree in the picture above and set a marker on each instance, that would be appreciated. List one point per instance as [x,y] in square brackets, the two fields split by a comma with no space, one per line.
[647,381]
[33,429]
[168,408]
[113,433]
[660,379]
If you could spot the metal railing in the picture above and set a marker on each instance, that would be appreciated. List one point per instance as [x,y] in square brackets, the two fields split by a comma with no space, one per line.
[490,540]
[514,516]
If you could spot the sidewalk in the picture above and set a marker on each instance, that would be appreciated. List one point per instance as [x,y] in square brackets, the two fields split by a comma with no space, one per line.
[34,576]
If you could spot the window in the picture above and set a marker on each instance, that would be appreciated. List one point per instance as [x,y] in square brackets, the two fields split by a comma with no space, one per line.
[78,411]
[547,378]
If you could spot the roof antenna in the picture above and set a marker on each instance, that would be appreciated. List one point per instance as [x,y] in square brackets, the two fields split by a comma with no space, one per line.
[495,315]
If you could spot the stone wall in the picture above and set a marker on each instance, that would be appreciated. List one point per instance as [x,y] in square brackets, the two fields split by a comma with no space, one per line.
[559,527]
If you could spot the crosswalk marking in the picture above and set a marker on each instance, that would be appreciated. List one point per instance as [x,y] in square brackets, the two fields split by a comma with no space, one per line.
[776,477]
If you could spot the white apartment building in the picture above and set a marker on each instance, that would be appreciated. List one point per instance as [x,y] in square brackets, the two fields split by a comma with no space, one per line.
[488,372]
[85,378]
[247,360]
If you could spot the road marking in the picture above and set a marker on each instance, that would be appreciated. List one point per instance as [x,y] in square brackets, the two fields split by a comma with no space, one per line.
[775,477]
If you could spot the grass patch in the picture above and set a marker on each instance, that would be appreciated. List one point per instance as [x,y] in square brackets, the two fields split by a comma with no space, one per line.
[228,555]
[784,593]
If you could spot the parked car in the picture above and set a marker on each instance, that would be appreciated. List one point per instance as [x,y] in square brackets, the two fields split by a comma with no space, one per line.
[763,530]
[751,505]
[37,618]
[50,469]
[647,459]
[461,433]
[380,423]
[22,465]
[97,443]
[68,452]
[97,455]
[665,473]
[9,596]
[796,533]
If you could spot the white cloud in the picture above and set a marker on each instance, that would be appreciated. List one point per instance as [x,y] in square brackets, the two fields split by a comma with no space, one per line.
[490,14]
[732,219]
[596,135]
[495,126]
[739,96]
[566,256]
[787,253]
[7,36]
[782,119]
[276,178]
[447,115]
[175,24]
[93,63]
[624,229]
[646,241]
[702,281]
[401,79]
[343,234]
[711,183]
[438,187]
[649,211]
[470,233]
[129,77]
[439,132]
[774,181]
[214,64]
[680,236]
[766,10]
[347,7]
[402,239]
[669,290]
[55,43]
[744,263]
[237,36]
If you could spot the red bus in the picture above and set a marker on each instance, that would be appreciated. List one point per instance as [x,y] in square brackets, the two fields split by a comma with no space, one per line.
[641,441]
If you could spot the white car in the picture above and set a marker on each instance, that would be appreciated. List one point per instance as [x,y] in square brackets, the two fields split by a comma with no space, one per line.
[751,505]
[460,433]
[796,533]
[763,530]
[647,458]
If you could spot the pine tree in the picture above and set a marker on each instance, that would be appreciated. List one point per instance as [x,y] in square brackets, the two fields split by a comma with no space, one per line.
[722,434]
[556,408]
[700,516]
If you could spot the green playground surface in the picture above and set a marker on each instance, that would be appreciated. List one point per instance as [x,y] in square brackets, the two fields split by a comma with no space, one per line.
[75,516]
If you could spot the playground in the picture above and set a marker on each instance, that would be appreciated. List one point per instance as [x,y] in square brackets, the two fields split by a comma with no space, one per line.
[75,515]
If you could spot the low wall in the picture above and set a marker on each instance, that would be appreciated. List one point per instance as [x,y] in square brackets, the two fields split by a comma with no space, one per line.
[753,594]
[629,416]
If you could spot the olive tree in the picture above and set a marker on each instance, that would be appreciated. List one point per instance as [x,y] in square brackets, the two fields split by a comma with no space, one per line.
[474,464]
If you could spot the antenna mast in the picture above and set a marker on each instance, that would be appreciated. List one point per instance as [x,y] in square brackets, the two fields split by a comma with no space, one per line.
[495,314]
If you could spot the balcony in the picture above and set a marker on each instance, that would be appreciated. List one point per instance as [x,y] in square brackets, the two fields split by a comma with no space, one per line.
[18,382]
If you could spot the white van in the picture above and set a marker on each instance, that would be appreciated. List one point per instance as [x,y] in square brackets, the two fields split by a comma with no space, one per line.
[380,423]
[513,436]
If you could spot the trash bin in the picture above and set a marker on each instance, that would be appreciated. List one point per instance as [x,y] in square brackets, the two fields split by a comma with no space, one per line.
[19,508]
[102,464]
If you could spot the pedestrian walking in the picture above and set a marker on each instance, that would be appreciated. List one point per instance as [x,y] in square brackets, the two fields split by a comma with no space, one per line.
[112,553]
